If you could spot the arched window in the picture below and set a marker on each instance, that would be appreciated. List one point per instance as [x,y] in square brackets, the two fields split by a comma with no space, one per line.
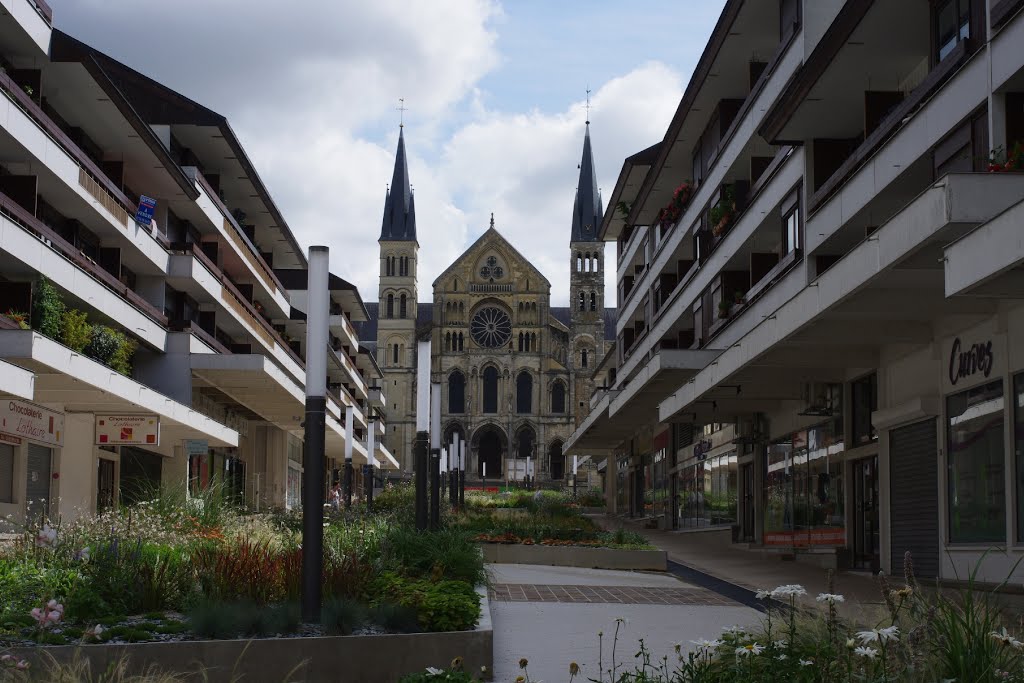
[579,262]
[402,266]
[394,354]
[490,392]
[533,341]
[524,393]
[460,341]
[558,398]
[521,347]
[391,305]
[583,358]
[593,301]
[524,442]
[586,262]
[447,341]
[583,301]
[597,264]
[456,392]
[402,307]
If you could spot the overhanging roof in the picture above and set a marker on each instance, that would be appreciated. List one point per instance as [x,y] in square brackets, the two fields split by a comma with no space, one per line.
[80,384]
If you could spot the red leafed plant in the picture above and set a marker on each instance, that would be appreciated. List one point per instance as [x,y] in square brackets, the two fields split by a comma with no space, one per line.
[242,571]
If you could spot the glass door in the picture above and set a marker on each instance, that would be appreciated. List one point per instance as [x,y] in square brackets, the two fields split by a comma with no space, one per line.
[865,514]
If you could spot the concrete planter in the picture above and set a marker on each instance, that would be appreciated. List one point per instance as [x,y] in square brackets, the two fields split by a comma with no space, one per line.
[310,660]
[575,556]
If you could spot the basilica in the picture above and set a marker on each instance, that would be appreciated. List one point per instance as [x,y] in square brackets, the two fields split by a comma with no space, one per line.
[516,373]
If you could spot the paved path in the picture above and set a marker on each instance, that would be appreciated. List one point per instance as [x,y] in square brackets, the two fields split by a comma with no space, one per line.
[552,615]
[752,570]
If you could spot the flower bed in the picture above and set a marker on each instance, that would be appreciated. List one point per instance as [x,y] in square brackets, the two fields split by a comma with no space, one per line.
[186,569]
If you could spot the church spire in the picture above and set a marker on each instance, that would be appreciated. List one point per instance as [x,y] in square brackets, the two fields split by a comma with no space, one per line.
[587,210]
[399,222]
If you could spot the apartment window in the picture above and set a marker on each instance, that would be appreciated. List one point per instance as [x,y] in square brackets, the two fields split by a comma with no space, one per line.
[524,393]
[456,392]
[402,307]
[865,401]
[952,24]
[558,398]
[975,462]
[391,305]
[789,17]
[791,224]
[490,393]
[698,324]
[965,149]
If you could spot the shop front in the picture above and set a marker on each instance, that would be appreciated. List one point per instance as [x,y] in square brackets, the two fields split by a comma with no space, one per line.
[30,435]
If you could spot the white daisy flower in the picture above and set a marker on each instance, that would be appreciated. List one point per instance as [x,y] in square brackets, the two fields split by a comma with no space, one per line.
[868,652]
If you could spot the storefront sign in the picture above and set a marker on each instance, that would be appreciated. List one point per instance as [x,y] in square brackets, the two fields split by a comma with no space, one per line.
[966,362]
[807,537]
[196,447]
[144,214]
[28,421]
[13,440]
[128,430]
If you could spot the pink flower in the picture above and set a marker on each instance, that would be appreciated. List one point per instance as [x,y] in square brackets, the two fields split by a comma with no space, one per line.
[38,615]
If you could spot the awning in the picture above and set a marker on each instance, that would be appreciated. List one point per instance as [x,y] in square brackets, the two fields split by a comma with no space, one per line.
[16,382]
[254,381]
[80,384]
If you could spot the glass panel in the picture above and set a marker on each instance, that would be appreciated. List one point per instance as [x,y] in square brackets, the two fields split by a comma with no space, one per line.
[1018,431]
[977,495]
[865,401]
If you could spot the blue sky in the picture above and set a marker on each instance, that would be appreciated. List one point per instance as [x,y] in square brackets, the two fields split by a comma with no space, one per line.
[495,91]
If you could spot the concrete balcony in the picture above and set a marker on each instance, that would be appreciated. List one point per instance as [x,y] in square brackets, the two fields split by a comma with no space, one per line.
[32,23]
[596,432]
[377,398]
[889,289]
[80,384]
[16,382]
[636,401]
[989,261]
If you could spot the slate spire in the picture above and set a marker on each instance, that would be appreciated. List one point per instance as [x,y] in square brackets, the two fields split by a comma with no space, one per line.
[587,210]
[399,222]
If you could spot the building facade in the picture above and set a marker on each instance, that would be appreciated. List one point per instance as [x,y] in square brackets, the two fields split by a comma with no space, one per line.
[516,373]
[819,291]
[152,296]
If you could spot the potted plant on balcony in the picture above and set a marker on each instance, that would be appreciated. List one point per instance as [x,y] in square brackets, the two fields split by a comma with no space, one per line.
[723,212]
[673,211]
[1001,161]
[724,306]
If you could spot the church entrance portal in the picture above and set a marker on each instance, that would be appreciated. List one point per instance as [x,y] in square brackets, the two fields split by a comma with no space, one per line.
[489,451]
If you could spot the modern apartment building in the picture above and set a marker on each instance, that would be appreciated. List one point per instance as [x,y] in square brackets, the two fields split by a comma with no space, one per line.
[152,296]
[820,340]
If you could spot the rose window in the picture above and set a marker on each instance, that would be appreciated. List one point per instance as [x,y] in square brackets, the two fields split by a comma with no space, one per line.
[491,327]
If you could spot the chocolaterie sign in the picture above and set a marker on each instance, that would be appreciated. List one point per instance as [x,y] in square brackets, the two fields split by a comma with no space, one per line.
[967,361]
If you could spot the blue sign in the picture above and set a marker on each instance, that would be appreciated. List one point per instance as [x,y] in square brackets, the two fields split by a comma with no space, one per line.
[196,447]
[144,214]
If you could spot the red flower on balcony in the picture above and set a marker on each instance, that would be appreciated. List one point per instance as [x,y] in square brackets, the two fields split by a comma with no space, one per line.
[673,211]
[1001,161]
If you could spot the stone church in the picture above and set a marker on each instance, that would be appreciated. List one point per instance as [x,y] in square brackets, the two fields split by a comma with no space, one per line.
[515,371]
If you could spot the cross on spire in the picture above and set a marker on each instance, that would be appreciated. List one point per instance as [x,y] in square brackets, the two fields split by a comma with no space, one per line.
[401,109]
[588,106]
[492,219]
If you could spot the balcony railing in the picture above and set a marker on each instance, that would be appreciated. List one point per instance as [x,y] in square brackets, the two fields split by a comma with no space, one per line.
[104,189]
[241,241]
[19,215]
[44,10]
[193,328]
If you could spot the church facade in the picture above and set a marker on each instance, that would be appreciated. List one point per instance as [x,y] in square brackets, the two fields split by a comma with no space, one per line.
[516,372]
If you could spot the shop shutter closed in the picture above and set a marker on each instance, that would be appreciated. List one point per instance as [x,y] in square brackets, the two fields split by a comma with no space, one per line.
[38,489]
[914,506]
[6,473]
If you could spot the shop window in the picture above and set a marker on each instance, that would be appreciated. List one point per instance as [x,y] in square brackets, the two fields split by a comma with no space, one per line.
[1018,409]
[490,390]
[456,392]
[708,491]
[804,489]
[865,401]
[975,461]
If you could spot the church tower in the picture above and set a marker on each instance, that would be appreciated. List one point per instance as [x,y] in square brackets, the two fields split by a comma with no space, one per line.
[397,308]
[586,283]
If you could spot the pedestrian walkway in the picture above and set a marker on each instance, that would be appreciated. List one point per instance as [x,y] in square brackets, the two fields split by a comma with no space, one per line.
[752,570]
[551,616]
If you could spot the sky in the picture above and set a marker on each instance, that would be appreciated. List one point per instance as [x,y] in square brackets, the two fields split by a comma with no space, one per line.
[495,92]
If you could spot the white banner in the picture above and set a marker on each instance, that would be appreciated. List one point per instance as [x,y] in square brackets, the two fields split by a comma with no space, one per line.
[127,430]
[29,421]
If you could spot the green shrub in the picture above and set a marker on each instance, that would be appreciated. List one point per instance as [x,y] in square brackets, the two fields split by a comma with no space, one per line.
[103,343]
[75,330]
[395,618]
[342,617]
[47,308]
[439,605]
[215,619]
[449,552]
[121,361]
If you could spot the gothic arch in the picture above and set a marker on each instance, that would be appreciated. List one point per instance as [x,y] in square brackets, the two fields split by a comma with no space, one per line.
[525,444]
[490,388]
[456,391]
[558,392]
[489,444]
[556,459]
[524,392]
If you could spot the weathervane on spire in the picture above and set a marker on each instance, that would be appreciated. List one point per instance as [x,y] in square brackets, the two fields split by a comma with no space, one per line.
[588,106]
[401,108]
